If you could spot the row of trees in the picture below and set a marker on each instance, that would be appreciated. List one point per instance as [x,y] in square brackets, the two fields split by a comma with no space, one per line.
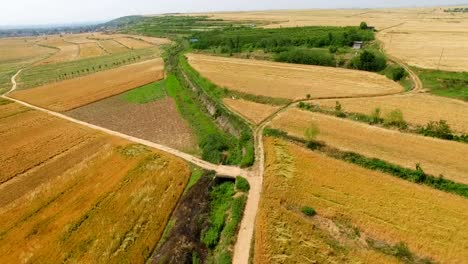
[241,39]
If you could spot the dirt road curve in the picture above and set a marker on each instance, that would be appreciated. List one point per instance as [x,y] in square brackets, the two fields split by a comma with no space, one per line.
[222,171]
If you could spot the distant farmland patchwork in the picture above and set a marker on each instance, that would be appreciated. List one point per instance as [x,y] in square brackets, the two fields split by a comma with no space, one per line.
[70,94]
[282,80]
[77,195]
[362,216]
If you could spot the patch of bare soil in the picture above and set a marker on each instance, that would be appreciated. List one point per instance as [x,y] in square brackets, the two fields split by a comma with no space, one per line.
[157,121]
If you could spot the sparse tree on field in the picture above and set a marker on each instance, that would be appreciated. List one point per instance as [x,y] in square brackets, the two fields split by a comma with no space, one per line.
[311,132]
[363,25]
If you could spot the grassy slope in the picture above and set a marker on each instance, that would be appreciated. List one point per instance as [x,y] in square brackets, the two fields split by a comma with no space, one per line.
[145,94]
[443,83]
[43,74]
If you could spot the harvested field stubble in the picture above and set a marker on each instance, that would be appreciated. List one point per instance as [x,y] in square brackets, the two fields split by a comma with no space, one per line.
[100,200]
[254,112]
[132,43]
[67,51]
[113,46]
[434,155]
[290,81]
[70,94]
[353,206]
[418,109]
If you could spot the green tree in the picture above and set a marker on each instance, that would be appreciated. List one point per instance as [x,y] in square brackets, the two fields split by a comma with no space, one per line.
[395,119]
[363,25]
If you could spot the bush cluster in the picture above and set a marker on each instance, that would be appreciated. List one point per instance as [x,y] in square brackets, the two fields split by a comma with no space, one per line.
[305,56]
[369,61]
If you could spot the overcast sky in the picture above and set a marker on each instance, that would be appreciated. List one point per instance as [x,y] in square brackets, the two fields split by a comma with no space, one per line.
[30,12]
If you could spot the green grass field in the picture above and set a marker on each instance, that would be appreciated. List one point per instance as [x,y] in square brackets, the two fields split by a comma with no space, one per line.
[146,94]
[44,74]
[443,83]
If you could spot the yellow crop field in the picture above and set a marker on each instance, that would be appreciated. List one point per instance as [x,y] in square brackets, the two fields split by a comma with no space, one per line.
[434,155]
[21,50]
[90,49]
[66,51]
[418,109]
[70,94]
[155,41]
[254,112]
[419,36]
[79,195]
[283,80]
[132,43]
[112,46]
[354,206]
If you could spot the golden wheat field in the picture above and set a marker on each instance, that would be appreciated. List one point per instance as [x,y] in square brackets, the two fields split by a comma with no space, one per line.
[283,80]
[415,35]
[418,109]
[253,111]
[65,51]
[354,206]
[79,195]
[434,155]
[70,94]
[112,46]
[133,43]
[22,50]
[91,49]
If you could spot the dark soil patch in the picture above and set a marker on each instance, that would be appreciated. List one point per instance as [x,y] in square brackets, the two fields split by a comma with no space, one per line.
[157,121]
[191,216]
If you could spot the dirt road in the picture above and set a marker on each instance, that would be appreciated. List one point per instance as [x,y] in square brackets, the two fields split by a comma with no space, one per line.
[222,171]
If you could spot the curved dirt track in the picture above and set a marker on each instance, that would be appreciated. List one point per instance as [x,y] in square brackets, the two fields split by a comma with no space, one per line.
[222,171]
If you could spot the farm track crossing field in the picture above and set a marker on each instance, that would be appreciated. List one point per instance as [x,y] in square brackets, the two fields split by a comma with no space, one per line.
[282,80]
[93,198]
[418,109]
[434,155]
[157,121]
[254,112]
[70,94]
[418,36]
[353,206]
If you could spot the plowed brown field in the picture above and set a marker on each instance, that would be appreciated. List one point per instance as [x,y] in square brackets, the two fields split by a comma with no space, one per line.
[418,109]
[82,196]
[353,205]
[70,94]
[253,111]
[290,81]
[156,121]
[435,156]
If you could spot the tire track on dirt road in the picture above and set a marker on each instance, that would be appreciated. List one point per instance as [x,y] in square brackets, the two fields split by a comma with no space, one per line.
[221,170]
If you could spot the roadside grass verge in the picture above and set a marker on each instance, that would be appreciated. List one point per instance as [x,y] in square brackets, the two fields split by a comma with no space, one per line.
[147,93]
[445,83]
[416,175]
[227,207]
[43,74]
[241,138]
